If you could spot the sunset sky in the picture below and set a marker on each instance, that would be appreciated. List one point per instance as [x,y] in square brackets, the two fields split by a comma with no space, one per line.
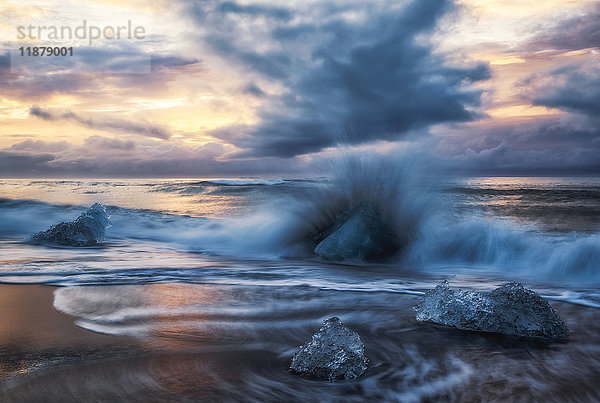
[226,88]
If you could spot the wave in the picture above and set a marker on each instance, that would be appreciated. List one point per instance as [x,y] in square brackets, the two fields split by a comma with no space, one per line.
[215,185]
[21,218]
[397,190]
[408,199]
[287,223]
[245,182]
[508,247]
[546,195]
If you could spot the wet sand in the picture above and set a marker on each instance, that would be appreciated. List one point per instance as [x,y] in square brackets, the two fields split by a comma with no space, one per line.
[198,342]
[30,322]
[35,337]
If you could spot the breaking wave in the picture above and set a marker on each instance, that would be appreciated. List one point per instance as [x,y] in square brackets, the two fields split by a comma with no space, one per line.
[444,225]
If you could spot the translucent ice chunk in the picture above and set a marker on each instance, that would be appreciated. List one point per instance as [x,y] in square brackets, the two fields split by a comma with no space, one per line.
[510,309]
[86,230]
[334,352]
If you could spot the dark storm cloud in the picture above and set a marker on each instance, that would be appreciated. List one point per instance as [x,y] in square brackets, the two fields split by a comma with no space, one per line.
[553,146]
[293,32]
[35,110]
[23,164]
[168,62]
[255,10]
[150,159]
[580,93]
[4,63]
[254,89]
[506,160]
[106,124]
[360,82]
[579,32]
[549,134]
[272,64]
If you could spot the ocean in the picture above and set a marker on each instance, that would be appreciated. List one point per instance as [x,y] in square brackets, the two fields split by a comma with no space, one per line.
[213,284]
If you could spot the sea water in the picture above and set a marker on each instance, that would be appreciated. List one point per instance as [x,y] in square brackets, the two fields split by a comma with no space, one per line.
[216,280]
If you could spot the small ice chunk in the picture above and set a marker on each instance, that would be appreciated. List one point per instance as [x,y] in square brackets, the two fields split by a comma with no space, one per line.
[511,309]
[86,230]
[334,352]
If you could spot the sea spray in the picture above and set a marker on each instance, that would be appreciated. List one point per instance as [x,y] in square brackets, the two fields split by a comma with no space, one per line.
[285,217]
[294,221]
[396,188]
[504,246]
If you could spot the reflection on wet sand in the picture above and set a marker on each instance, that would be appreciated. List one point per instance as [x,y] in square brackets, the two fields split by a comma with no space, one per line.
[34,334]
[224,342]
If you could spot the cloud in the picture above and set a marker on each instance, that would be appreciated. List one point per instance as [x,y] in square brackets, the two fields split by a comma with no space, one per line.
[4,63]
[40,146]
[505,160]
[573,33]
[571,86]
[170,62]
[255,10]
[255,90]
[354,80]
[32,84]
[566,142]
[105,124]
[106,143]
[111,157]
[121,69]
[272,64]
[553,146]
[293,32]
[323,74]
[40,113]
[24,164]
[579,93]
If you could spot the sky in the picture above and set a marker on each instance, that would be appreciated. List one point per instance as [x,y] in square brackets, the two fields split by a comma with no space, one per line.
[280,88]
